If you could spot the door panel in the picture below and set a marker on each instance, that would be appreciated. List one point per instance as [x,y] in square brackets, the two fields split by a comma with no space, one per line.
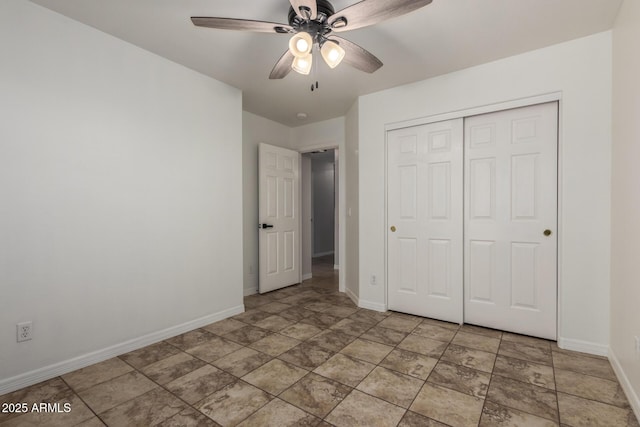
[424,205]
[510,199]
[279,188]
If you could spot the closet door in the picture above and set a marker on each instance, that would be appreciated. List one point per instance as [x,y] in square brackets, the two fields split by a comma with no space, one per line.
[424,220]
[510,243]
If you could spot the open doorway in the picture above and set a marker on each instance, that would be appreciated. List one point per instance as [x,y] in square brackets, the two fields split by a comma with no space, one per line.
[319,197]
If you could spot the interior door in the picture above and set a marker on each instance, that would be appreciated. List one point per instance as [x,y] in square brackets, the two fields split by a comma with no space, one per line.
[279,207]
[424,213]
[511,220]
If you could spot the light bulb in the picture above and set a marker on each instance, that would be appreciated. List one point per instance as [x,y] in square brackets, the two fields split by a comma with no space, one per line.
[303,64]
[332,53]
[300,44]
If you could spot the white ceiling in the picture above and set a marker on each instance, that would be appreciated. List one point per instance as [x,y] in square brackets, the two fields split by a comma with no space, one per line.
[445,36]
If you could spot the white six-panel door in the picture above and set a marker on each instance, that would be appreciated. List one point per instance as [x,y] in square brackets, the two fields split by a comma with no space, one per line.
[511,220]
[279,207]
[424,213]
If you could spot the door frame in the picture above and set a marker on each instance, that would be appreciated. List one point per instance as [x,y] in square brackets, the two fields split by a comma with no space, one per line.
[339,184]
[473,111]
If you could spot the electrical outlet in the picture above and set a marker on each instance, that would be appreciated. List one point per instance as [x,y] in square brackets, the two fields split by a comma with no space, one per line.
[373,280]
[24,330]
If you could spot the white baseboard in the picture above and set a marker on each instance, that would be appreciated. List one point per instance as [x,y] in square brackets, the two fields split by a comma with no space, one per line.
[632,395]
[376,306]
[307,276]
[46,373]
[319,254]
[250,291]
[352,296]
[583,346]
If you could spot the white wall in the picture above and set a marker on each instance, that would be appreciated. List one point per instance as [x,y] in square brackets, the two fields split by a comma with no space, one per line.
[255,129]
[117,170]
[350,267]
[581,70]
[327,134]
[322,172]
[625,209]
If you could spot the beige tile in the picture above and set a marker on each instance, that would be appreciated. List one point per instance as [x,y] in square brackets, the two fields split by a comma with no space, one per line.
[147,410]
[315,394]
[478,330]
[149,354]
[525,397]
[274,323]
[274,307]
[384,335]
[460,378]
[318,306]
[409,363]
[448,406]
[540,343]
[423,345]
[254,301]
[368,316]
[281,414]
[251,316]
[301,331]
[111,393]
[296,313]
[242,362]
[275,376]
[78,413]
[475,359]
[192,339]
[321,320]
[391,386]
[91,422]
[576,411]
[85,378]
[368,351]
[200,383]
[589,387]
[411,419]
[332,340]
[214,349]
[435,332]
[188,418]
[477,342]
[351,327]
[224,326]
[398,323]
[232,404]
[442,324]
[525,352]
[173,367]
[585,365]
[341,311]
[247,335]
[275,344]
[345,369]
[307,355]
[521,370]
[362,410]
[494,415]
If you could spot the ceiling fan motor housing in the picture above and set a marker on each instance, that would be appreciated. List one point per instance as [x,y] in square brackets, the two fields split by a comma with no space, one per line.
[318,27]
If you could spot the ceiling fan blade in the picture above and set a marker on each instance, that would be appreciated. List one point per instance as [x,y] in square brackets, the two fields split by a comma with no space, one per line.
[357,56]
[369,12]
[283,66]
[241,25]
[305,9]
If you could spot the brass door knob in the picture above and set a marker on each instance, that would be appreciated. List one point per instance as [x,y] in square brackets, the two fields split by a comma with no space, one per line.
[547,232]
[393,228]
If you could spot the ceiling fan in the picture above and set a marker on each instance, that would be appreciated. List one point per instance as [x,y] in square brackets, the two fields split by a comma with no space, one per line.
[312,24]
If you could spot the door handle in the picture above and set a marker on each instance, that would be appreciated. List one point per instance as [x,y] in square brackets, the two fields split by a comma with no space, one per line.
[393,228]
[263,226]
[547,232]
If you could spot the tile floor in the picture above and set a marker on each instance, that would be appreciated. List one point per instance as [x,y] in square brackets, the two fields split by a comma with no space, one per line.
[307,356]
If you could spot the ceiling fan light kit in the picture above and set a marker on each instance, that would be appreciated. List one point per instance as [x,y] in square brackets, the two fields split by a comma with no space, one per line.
[312,23]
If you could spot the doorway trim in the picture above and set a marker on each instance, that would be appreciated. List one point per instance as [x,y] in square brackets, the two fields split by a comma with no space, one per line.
[473,111]
[341,205]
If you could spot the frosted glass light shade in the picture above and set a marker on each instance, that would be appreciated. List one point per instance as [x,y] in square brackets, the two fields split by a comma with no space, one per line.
[302,64]
[300,44]
[332,53]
